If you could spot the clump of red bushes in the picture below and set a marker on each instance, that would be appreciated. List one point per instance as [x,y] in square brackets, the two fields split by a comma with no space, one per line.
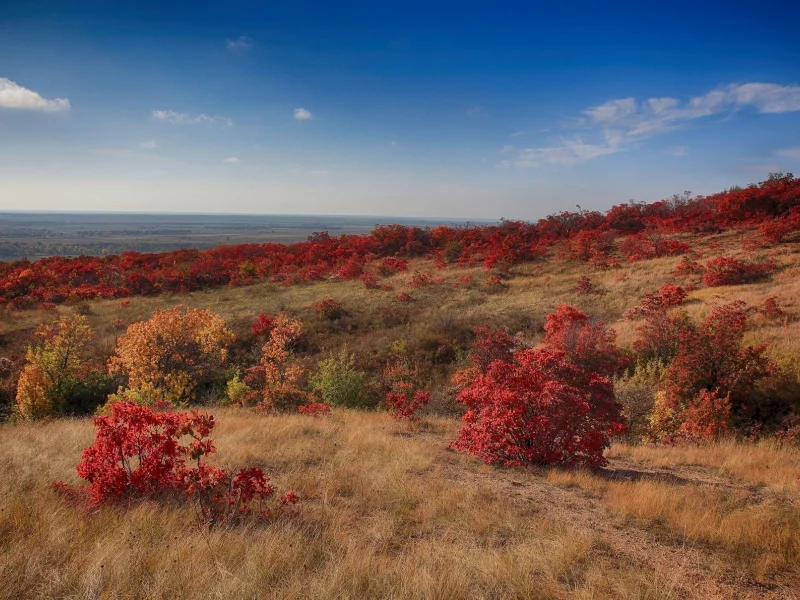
[140,453]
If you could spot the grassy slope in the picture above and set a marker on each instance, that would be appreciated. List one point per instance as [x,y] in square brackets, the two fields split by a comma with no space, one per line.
[392,513]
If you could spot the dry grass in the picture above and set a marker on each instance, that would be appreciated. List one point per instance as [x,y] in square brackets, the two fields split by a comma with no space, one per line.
[387,514]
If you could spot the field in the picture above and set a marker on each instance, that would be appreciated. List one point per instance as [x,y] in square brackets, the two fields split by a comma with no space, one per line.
[393,514]
[388,509]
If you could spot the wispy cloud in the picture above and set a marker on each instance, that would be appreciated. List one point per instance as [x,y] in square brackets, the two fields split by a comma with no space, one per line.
[517,133]
[793,153]
[301,114]
[176,118]
[475,111]
[679,150]
[231,160]
[239,44]
[148,145]
[14,96]
[620,123]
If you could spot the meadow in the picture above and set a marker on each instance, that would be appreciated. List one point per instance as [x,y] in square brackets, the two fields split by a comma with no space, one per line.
[701,503]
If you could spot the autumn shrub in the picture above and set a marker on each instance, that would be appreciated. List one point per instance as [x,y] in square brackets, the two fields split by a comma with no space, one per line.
[171,354]
[263,325]
[706,417]
[404,394]
[775,230]
[142,453]
[688,267]
[280,375]
[649,244]
[328,309]
[237,392]
[420,279]
[404,297]
[636,392]
[660,332]
[53,366]
[338,382]
[712,358]
[539,409]
[586,343]
[391,265]
[724,270]
[316,409]
[584,285]
[369,280]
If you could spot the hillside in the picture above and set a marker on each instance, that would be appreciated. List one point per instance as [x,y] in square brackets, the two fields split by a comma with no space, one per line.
[682,300]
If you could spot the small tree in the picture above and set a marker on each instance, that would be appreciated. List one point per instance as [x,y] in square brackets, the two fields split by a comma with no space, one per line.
[167,356]
[53,365]
[338,382]
[282,374]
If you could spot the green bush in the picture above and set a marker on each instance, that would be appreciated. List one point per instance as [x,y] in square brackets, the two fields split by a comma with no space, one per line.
[338,382]
[637,393]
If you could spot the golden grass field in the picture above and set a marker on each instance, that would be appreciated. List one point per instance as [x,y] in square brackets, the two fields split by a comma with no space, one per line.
[392,513]
[389,512]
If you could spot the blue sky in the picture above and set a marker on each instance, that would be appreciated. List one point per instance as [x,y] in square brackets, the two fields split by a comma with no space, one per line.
[444,110]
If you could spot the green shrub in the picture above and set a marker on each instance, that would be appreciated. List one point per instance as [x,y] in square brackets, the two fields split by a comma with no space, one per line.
[637,393]
[338,382]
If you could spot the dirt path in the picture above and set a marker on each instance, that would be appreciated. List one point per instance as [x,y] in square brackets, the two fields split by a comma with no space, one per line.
[688,571]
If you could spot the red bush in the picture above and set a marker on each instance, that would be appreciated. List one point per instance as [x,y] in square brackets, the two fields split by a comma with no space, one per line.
[404,396]
[660,334]
[731,271]
[328,309]
[584,285]
[316,409]
[263,325]
[712,358]
[139,453]
[706,417]
[586,344]
[404,297]
[370,280]
[538,409]
[391,265]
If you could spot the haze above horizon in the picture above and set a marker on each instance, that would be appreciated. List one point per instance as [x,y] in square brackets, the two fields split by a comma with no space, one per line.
[437,111]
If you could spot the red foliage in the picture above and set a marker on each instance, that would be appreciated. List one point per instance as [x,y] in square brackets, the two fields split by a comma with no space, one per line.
[586,344]
[263,325]
[317,409]
[404,297]
[711,358]
[370,280]
[24,284]
[706,417]
[687,267]
[770,309]
[404,396]
[660,334]
[584,285]
[139,453]
[538,409]
[731,271]
[420,279]
[329,309]
[391,265]
[494,282]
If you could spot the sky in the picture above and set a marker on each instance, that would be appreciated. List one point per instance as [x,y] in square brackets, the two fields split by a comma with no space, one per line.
[458,110]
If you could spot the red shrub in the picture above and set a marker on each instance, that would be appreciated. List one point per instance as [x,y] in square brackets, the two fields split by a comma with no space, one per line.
[775,230]
[317,409]
[538,409]
[370,280]
[706,417]
[139,452]
[584,285]
[770,308]
[711,358]
[647,245]
[586,344]
[494,283]
[404,297]
[660,334]
[419,279]
[730,271]
[687,267]
[404,396]
[263,325]
[390,266]
[328,309]
[667,296]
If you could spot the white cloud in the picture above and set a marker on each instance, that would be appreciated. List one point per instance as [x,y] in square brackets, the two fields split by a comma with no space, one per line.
[679,150]
[148,145]
[301,114]
[517,133]
[620,123]
[241,43]
[15,96]
[231,160]
[176,118]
